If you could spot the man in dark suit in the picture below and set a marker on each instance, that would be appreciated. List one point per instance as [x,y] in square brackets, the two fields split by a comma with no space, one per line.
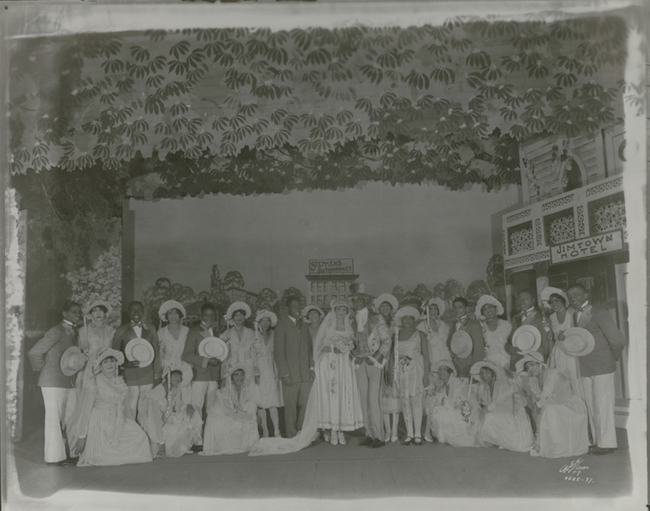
[473,328]
[529,315]
[295,362]
[598,367]
[45,357]
[207,371]
[139,380]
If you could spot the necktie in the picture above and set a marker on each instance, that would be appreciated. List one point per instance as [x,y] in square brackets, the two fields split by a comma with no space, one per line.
[298,322]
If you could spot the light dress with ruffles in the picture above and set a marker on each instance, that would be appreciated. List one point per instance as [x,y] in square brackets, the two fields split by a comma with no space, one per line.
[268,393]
[171,352]
[390,402]
[495,342]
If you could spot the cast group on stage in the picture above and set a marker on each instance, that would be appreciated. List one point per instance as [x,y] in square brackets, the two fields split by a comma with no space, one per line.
[543,384]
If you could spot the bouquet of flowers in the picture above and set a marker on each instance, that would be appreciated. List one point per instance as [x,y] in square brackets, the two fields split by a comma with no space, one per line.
[344,343]
[404,360]
[466,410]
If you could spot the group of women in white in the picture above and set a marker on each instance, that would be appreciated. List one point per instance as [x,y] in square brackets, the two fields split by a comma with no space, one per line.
[494,407]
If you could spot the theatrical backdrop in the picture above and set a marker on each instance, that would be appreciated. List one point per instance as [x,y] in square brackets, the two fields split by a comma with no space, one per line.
[448,156]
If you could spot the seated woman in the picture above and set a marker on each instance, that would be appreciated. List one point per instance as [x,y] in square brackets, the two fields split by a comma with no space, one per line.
[502,416]
[561,415]
[451,411]
[231,426]
[173,425]
[106,436]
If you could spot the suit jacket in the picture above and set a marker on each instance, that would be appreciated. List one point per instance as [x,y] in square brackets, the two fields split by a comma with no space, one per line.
[136,376]
[202,371]
[536,319]
[475,331]
[609,342]
[45,357]
[374,336]
[293,350]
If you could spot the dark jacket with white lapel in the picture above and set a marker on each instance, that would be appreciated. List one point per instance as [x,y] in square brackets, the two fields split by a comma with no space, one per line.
[138,375]
[202,371]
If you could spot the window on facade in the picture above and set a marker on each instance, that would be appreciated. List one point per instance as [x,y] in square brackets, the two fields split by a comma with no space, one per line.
[313,287]
[320,287]
[572,176]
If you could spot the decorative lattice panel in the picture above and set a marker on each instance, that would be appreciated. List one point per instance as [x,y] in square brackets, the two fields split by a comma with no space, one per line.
[521,239]
[560,227]
[607,214]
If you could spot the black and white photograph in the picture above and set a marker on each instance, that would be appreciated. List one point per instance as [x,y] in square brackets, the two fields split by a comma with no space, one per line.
[277,255]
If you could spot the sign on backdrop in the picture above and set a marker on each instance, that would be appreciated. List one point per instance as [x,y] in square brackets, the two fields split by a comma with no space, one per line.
[587,247]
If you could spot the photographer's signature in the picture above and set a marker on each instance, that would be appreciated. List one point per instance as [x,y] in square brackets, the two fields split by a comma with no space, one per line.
[572,472]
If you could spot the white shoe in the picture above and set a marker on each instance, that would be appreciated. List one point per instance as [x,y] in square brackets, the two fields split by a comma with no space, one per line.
[342,439]
[334,440]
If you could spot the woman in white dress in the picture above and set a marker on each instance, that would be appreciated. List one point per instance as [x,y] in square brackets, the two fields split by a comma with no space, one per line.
[106,436]
[412,349]
[436,330]
[561,320]
[231,426]
[339,402]
[503,419]
[496,331]
[268,394]
[173,425]
[171,339]
[241,346]
[561,415]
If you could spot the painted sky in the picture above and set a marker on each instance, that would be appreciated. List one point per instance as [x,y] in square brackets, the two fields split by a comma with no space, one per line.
[403,235]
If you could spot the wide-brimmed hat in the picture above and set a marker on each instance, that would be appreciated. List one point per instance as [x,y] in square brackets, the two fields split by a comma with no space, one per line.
[339,302]
[439,302]
[139,350]
[213,347]
[534,356]
[169,305]
[385,297]
[546,293]
[261,314]
[358,289]
[577,342]
[407,310]
[487,300]
[476,368]
[96,303]
[308,309]
[461,344]
[527,338]
[435,366]
[185,369]
[72,361]
[106,353]
[238,306]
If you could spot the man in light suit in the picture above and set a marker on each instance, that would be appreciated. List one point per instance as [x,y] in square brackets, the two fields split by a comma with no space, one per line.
[207,371]
[598,367]
[45,357]
[139,380]
[473,328]
[372,344]
[293,355]
[529,315]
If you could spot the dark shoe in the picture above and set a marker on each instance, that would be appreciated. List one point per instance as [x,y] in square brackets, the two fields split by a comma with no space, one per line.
[407,441]
[197,448]
[377,443]
[366,441]
[65,463]
[600,450]
[417,441]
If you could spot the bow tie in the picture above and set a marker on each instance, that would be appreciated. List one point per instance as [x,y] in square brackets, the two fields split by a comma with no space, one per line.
[136,325]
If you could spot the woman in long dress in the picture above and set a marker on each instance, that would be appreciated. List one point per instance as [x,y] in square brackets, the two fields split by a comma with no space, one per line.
[386,305]
[171,339]
[268,394]
[561,320]
[231,426]
[503,419]
[106,436]
[451,408]
[339,402]
[241,346]
[561,415]
[496,331]
[436,330]
[412,361]
[173,425]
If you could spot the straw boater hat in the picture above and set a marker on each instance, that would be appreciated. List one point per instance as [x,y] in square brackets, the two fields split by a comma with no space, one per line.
[238,306]
[213,347]
[169,305]
[527,338]
[104,354]
[435,366]
[96,303]
[475,370]
[577,342]
[407,310]
[546,293]
[139,350]
[185,369]
[461,344]
[261,314]
[487,300]
[385,297]
[535,356]
[72,361]
[442,307]
[308,309]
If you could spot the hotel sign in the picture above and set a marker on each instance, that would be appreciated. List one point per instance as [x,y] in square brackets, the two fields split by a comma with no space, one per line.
[331,266]
[587,247]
